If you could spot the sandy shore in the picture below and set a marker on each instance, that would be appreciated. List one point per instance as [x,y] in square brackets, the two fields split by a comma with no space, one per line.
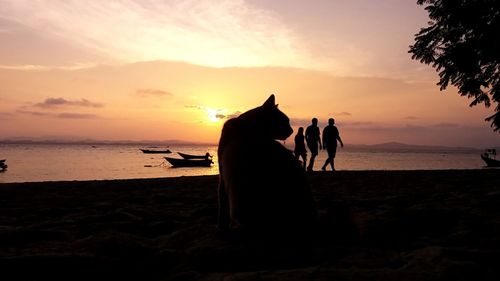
[373,225]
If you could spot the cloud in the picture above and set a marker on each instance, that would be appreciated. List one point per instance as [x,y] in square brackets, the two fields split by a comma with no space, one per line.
[326,35]
[152,92]
[359,124]
[4,115]
[26,67]
[431,134]
[195,107]
[300,122]
[220,115]
[378,127]
[208,32]
[34,113]
[38,67]
[215,113]
[77,116]
[446,125]
[58,102]
[410,128]
[343,113]
[411,118]
[64,115]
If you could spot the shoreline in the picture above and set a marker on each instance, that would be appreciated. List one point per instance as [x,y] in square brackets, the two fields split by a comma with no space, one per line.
[216,175]
[384,225]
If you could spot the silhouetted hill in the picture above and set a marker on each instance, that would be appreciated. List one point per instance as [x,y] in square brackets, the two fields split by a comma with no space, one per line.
[397,146]
[388,146]
[400,147]
[78,140]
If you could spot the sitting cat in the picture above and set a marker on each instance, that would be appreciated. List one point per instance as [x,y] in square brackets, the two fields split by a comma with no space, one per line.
[261,186]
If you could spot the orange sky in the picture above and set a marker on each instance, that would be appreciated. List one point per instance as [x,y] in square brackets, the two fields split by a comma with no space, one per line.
[157,70]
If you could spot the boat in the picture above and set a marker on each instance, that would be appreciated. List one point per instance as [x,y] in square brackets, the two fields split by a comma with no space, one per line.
[191,156]
[180,162]
[489,157]
[151,151]
[3,166]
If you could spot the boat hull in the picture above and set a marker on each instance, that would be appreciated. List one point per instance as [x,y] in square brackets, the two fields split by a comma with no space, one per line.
[490,162]
[3,166]
[176,162]
[190,156]
[148,151]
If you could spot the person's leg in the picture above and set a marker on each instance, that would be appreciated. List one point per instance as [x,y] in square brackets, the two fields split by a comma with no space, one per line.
[326,163]
[331,153]
[311,162]
[314,152]
[328,160]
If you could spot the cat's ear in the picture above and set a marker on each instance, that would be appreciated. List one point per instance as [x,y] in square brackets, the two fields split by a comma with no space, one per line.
[270,102]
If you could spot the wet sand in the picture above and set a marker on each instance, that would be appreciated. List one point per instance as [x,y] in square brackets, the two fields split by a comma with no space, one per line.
[372,225]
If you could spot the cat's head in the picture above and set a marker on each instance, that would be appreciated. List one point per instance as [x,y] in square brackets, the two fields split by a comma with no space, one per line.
[274,122]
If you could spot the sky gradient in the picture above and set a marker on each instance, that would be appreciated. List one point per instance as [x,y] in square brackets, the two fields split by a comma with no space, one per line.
[157,70]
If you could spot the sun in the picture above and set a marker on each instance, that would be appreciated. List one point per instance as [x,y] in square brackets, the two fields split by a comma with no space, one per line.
[212,115]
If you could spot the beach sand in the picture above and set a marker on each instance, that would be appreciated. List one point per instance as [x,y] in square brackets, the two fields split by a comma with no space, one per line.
[372,225]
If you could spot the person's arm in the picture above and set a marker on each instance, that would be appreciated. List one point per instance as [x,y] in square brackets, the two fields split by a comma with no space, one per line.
[340,140]
[319,139]
[324,139]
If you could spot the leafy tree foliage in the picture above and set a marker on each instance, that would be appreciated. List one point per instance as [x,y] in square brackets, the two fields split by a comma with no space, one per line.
[462,42]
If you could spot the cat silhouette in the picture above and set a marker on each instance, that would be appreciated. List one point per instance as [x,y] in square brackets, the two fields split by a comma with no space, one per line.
[261,186]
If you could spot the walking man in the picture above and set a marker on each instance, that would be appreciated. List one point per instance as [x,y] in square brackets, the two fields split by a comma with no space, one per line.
[312,139]
[330,137]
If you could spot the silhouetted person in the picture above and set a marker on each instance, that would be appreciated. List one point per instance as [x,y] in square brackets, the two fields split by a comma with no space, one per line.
[300,147]
[312,139]
[330,137]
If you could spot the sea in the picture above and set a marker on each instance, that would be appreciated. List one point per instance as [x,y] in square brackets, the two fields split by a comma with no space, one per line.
[69,162]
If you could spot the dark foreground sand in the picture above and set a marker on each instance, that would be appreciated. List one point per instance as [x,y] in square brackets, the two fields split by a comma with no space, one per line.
[375,225]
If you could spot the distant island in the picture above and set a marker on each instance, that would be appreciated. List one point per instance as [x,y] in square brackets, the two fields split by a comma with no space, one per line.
[403,147]
[72,140]
[387,146]
[412,147]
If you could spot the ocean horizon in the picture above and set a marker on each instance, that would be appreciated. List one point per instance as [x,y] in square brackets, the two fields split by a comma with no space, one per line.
[36,162]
